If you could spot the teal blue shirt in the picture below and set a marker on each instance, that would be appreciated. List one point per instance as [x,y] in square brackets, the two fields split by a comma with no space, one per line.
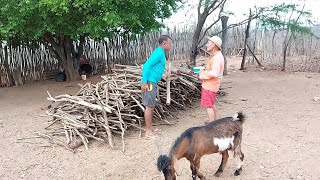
[153,68]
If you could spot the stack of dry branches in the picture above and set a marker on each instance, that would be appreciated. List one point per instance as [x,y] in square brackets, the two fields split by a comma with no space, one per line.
[113,105]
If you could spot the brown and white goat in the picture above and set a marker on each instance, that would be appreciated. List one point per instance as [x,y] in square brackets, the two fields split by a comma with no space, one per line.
[218,136]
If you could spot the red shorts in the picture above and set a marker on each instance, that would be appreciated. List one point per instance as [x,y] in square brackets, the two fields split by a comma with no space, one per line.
[207,98]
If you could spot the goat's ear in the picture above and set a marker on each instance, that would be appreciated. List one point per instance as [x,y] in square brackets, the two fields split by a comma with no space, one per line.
[177,166]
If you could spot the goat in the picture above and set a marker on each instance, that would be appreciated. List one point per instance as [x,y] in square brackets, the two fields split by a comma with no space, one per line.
[216,137]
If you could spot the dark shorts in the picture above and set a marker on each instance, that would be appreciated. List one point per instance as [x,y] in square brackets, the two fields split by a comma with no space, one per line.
[149,98]
[207,98]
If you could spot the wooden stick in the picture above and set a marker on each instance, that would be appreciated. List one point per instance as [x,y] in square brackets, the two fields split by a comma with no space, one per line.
[168,84]
[110,138]
[112,106]
[78,101]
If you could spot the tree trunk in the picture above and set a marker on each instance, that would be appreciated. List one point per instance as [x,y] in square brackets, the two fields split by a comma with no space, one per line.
[195,39]
[70,68]
[224,21]
[81,44]
[245,42]
[285,50]
[62,50]
[284,59]
[273,45]
[262,47]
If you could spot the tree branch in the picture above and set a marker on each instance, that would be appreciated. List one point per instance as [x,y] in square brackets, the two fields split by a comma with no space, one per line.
[212,5]
[199,8]
[300,13]
[45,42]
[229,27]
[209,27]
[221,4]
[296,20]
[286,43]
[49,38]
[235,25]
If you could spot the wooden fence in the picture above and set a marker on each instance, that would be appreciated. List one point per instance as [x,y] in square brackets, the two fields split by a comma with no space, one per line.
[135,49]
[22,64]
[302,54]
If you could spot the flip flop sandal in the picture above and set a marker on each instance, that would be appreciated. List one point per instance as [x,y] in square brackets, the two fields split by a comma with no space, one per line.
[148,137]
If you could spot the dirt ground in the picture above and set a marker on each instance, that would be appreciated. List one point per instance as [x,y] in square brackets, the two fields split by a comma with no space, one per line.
[281,135]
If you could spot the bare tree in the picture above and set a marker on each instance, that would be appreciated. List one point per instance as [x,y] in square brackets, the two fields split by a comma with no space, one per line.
[247,34]
[205,8]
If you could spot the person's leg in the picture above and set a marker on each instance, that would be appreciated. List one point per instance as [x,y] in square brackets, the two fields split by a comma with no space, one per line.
[148,114]
[215,112]
[207,101]
[211,114]
[149,101]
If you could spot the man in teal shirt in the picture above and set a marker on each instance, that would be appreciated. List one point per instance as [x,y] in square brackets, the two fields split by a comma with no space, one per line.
[152,72]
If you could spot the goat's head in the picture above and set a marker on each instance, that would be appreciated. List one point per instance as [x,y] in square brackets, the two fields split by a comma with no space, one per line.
[165,165]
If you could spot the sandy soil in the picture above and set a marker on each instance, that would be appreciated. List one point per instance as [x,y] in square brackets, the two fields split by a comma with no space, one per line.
[281,135]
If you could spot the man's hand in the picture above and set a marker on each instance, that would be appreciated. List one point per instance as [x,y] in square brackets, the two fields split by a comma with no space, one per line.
[165,77]
[200,74]
[176,72]
[144,87]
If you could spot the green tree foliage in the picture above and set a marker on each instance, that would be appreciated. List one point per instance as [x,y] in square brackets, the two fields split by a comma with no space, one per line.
[59,23]
[286,16]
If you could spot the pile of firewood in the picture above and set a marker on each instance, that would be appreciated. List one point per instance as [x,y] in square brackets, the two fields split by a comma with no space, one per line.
[113,106]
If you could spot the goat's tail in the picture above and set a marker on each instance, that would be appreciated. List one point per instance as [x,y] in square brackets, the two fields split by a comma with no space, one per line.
[239,117]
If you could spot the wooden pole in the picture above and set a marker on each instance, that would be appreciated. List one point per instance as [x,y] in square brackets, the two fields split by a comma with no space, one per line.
[246,42]
[168,84]
[254,56]
[224,21]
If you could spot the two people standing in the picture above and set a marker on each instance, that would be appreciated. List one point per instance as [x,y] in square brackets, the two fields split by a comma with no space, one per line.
[154,68]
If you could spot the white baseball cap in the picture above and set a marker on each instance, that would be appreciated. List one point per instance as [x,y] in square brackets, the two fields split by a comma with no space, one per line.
[216,40]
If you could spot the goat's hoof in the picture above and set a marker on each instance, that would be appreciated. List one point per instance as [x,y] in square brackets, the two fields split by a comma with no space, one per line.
[194,177]
[203,178]
[217,174]
[237,172]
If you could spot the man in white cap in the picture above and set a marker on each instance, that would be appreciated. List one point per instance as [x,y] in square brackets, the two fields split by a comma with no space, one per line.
[211,77]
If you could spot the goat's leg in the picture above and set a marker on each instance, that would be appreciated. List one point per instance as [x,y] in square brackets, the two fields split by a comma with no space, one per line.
[240,158]
[192,166]
[223,164]
[197,167]
[193,170]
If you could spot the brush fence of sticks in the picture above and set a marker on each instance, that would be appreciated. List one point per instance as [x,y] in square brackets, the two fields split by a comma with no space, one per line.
[112,106]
